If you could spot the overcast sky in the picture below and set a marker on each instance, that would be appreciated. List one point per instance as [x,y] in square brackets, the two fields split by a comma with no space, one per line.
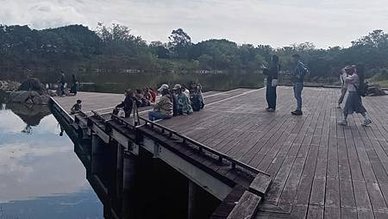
[275,22]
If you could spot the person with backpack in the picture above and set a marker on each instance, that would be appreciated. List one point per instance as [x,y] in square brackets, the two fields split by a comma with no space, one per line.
[272,82]
[355,83]
[298,74]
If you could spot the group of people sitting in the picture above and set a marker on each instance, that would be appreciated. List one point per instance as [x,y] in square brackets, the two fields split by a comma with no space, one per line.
[172,102]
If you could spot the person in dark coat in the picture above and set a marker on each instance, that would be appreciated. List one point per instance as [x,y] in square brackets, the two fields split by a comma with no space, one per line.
[74,85]
[272,82]
[127,104]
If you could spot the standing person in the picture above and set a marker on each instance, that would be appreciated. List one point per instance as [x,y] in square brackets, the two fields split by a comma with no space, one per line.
[353,102]
[343,87]
[164,108]
[272,82]
[62,82]
[127,104]
[299,72]
[74,85]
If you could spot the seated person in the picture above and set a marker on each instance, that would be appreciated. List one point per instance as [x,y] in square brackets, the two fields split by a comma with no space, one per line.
[196,98]
[127,104]
[153,95]
[164,108]
[186,92]
[141,99]
[147,94]
[76,107]
[183,102]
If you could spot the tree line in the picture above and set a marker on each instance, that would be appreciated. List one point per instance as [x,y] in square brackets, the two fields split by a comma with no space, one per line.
[113,49]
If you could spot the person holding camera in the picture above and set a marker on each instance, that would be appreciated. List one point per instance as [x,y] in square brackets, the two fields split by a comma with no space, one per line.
[353,102]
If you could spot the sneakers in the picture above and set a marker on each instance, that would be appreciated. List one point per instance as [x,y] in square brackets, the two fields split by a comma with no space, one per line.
[366,122]
[339,106]
[270,110]
[343,122]
[297,113]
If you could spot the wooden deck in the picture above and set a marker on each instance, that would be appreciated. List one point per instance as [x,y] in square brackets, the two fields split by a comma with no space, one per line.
[319,169]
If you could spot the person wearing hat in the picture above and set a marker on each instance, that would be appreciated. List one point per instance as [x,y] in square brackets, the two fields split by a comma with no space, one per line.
[353,102]
[183,102]
[164,108]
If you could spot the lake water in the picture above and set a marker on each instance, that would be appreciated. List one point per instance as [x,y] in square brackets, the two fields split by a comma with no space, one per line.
[40,175]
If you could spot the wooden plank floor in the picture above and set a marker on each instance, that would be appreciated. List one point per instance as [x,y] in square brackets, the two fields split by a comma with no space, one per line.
[320,169]
[104,102]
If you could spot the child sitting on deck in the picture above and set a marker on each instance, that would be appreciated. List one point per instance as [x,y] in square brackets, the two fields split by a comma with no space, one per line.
[76,107]
[164,108]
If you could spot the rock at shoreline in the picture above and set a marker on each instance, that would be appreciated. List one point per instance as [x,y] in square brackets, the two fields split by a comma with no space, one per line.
[29,97]
[31,91]
[33,84]
[9,85]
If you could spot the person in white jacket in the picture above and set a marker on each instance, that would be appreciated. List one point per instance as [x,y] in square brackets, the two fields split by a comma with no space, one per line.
[344,87]
[353,102]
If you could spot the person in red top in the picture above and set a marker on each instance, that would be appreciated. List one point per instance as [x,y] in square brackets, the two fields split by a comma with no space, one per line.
[153,95]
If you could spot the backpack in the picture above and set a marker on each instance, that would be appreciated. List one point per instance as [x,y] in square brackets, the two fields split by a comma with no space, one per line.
[362,89]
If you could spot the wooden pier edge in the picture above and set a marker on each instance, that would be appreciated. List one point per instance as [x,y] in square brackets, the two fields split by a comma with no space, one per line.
[231,207]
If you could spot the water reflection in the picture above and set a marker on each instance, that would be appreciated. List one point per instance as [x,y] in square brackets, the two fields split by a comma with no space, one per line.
[40,175]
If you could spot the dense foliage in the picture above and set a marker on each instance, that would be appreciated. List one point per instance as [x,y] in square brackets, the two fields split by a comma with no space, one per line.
[114,50]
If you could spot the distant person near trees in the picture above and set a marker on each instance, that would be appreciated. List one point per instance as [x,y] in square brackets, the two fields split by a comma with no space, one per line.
[272,82]
[353,102]
[164,108]
[344,87]
[299,72]
[74,85]
[62,84]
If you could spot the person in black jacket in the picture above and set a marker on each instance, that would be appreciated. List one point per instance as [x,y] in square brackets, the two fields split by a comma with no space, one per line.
[272,81]
[127,104]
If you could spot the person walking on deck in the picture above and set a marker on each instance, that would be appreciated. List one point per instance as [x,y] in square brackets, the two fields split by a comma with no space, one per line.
[299,72]
[272,82]
[344,87]
[353,102]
